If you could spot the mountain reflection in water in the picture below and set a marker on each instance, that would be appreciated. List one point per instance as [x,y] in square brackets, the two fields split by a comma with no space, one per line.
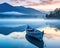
[16,33]
[51,39]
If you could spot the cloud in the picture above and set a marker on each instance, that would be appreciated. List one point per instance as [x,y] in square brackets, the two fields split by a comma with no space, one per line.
[31,2]
[14,35]
[34,2]
[50,1]
[25,2]
[17,35]
[51,32]
[2,1]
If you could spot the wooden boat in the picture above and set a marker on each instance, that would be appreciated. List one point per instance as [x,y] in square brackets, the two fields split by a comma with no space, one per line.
[34,33]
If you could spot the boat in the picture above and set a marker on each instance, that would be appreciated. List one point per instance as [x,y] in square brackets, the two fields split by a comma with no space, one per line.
[34,33]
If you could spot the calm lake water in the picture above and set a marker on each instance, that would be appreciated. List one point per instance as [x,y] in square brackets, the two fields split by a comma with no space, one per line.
[18,39]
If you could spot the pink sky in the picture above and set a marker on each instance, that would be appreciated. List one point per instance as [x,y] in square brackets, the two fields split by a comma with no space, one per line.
[46,5]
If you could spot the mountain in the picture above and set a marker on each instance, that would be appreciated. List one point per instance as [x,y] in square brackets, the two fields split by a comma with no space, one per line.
[5,7]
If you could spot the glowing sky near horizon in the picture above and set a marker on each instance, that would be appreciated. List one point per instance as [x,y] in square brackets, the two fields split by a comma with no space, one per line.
[46,5]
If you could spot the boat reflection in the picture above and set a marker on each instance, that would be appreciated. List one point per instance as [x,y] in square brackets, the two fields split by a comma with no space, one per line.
[36,42]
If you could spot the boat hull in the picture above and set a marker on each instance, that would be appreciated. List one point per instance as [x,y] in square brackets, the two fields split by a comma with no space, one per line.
[38,35]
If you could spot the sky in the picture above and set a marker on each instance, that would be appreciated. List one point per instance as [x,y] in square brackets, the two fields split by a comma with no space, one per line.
[46,5]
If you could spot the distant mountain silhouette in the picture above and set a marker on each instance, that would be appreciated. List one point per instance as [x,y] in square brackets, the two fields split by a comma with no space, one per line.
[29,12]
[5,7]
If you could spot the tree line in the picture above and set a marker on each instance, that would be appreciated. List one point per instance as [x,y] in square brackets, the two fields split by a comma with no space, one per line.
[54,14]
